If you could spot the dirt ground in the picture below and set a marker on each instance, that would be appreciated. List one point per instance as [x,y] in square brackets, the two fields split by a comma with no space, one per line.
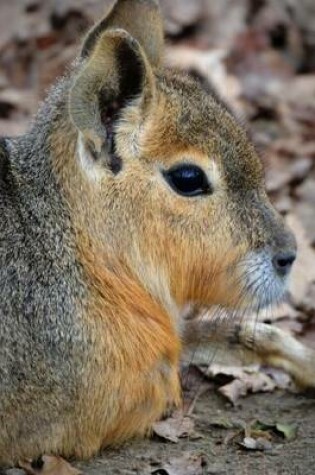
[218,452]
[260,56]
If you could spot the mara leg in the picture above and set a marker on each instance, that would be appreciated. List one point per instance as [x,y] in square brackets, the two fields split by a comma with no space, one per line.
[254,342]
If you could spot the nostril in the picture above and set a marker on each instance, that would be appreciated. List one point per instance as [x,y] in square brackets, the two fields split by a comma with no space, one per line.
[283,262]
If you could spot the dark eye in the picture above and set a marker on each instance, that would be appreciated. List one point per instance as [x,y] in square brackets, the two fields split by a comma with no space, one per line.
[188,180]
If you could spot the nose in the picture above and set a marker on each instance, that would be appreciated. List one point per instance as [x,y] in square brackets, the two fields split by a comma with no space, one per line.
[283,261]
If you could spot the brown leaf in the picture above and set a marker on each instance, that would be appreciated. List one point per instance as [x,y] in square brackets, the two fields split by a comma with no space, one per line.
[303,273]
[180,14]
[10,128]
[49,465]
[278,173]
[245,380]
[210,65]
[10,12]
[226,20]
[249,383]
[23,101]
[281,379]
[175,427]
[305,208]
[305,211]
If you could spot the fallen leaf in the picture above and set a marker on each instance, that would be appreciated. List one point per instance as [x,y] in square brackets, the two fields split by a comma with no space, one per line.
[9,128]
[244,380]
[180,14]
[304,211]
[278,173]
[250,383]
[303,272]
[306,191]
[49,465]
[260,444]
[226,20]
[24,101]
[209,65]
[176,427]
[286,431]
[289,431]
[279,376]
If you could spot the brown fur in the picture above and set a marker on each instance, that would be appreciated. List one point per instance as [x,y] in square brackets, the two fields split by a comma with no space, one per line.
[109,255]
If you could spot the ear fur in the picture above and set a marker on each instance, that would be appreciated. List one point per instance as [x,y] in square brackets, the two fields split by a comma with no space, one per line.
[141,19]
[116,72]
[119,54]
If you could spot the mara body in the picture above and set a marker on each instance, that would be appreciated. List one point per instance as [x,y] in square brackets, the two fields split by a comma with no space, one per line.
[134,194]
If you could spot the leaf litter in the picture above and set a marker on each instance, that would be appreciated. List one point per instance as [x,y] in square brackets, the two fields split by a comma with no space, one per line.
[176,427]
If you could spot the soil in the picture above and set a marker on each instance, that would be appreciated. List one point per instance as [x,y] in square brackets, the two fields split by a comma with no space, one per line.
[219,448]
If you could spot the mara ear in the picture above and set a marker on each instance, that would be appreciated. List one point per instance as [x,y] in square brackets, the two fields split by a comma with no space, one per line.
[116,73]
[141,19]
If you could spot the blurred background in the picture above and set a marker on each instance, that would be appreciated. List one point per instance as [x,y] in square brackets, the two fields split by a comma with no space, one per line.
[259,55]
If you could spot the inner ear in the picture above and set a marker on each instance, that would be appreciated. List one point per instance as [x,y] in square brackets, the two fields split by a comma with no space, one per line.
[116,73]
[131,84]
[132,72]
[131,77]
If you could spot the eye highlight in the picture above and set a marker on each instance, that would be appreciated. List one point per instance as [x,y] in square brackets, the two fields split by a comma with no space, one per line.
[188,180]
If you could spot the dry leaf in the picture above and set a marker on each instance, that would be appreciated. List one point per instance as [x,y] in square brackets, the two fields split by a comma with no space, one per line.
[49,465]
[245,380]
[258,435]
[249,383]
[9,128]
[303,273]
[209,65]
[304,211]
[281,379]
[176,427]
[260,444]
[179,14]
[286,431]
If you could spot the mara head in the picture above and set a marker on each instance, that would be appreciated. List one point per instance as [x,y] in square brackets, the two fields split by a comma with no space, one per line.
[171,185]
